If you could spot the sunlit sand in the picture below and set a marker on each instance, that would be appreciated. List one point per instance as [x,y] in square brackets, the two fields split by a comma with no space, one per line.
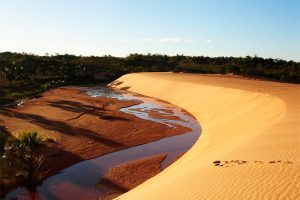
[250,142]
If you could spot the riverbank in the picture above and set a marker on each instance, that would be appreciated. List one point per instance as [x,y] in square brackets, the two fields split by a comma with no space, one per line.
[124,177]
[249,148]
[81,127]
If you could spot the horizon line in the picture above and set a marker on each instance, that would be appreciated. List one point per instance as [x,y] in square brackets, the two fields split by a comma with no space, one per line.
[93,55]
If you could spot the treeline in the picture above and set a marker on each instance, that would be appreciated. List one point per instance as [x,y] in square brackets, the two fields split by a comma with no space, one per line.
[19,71]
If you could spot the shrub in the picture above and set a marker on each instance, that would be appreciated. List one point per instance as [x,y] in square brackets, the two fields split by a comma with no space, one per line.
[4,136]
[233,69]
[23,156]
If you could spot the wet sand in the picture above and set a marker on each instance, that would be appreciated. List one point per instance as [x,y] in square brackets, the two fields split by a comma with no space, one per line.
[81,127]
[124,177]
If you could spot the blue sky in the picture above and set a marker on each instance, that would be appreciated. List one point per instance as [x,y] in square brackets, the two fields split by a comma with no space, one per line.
[267,28]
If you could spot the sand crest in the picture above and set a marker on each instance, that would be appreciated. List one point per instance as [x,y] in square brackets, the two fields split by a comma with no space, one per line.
[250,142]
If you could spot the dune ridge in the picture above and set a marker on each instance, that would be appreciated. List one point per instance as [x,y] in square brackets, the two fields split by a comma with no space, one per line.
[250,142]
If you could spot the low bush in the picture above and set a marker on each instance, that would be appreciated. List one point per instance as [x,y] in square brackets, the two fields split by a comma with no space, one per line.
[22,157]
[4,136]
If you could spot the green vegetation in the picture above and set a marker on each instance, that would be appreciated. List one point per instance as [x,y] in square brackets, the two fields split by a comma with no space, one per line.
[23,75]
[4,136]
[21,158]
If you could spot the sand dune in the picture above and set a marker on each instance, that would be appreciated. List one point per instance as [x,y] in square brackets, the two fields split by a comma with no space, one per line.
[250,143]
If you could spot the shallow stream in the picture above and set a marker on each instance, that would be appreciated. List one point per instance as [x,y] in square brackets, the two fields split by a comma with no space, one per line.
[79,181]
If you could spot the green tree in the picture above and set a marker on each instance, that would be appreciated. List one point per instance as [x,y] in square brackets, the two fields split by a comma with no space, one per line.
[24,153]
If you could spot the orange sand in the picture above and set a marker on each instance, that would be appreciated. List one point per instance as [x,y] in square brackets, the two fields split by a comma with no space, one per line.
[250,143]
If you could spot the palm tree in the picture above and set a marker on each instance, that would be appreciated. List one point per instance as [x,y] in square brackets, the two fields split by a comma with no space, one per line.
[33,144]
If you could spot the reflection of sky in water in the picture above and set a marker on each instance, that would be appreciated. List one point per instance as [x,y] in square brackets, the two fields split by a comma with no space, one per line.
[143,110]
[108,93]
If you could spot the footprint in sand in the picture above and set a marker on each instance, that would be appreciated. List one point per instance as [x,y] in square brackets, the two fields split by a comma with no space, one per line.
[258,161]
[225,163]
[273,161]
[229,163]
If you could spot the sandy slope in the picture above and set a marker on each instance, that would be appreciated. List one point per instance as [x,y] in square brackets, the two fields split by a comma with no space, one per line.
[251,130]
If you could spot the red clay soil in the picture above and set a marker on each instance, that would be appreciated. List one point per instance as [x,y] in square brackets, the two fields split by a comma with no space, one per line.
[81,127]
[125,177]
